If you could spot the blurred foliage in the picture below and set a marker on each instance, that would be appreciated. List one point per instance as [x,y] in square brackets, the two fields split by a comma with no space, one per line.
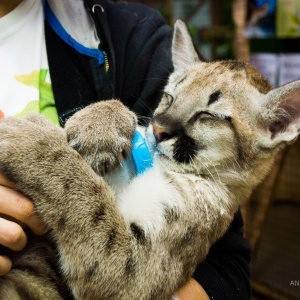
[166,12]
[220,34]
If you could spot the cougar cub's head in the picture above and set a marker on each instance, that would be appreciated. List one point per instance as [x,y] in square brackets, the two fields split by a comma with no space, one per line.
[221,118]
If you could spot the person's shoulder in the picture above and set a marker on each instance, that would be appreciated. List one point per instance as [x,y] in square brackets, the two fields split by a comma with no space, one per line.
[130,7]
[132,12]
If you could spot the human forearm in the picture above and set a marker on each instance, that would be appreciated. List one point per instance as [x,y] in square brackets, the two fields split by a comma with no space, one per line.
[192,290]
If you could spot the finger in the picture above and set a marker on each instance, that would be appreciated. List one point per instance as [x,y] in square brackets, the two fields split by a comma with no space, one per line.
[5,265]
[5,182]
[12,235]
[21,209]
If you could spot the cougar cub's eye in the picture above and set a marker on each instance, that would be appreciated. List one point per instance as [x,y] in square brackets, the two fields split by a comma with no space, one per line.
[169,98]
[205,116]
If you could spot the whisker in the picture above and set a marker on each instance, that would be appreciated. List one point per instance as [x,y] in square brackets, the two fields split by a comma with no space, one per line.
[143,120]
[212,174]
[144,105]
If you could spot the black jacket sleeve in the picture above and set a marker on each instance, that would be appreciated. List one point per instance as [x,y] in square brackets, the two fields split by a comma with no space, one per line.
[142,45]
[225,272]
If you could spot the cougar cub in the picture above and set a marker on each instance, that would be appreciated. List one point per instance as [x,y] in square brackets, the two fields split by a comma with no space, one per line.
[217,128]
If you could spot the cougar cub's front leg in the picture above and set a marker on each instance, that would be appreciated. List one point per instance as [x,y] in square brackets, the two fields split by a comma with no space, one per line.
[73,201]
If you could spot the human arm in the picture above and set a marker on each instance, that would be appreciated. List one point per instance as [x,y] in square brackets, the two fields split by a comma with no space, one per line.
[16,213]
[192,290]
[142,41]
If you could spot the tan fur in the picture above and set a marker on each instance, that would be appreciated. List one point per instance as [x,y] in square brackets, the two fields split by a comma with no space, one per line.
[218,127]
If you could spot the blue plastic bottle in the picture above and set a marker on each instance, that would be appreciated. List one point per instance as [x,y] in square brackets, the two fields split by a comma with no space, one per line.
[137,163]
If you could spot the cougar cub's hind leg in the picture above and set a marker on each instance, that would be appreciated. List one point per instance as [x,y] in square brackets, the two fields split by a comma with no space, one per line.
[34,274]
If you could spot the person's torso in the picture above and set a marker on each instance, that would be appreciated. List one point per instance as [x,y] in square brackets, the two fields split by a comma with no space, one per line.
[24,76]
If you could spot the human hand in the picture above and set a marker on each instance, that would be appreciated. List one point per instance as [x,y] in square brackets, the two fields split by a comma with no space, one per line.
[192,290]
[16,213]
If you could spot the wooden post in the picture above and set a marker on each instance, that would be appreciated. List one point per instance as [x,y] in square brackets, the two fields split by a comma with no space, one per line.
[240,42]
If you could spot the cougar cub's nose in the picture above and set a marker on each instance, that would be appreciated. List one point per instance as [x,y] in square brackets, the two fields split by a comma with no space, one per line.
[160,133]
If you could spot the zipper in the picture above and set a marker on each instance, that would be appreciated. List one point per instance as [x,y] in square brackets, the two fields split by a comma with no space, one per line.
[98,13]
[106,62]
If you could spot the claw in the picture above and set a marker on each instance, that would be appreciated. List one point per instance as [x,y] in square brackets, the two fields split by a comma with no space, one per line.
[120,158]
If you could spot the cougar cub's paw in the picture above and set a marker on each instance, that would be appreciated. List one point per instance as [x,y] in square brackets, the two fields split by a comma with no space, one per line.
[102,133]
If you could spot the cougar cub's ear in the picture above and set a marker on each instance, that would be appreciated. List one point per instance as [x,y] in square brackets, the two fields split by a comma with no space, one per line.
[281,114]
[183,50]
